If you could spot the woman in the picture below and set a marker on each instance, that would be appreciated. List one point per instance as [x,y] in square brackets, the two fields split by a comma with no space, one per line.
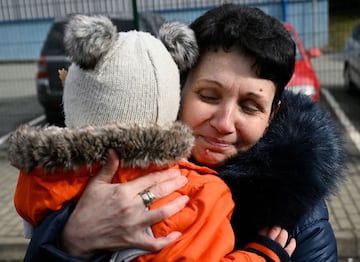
[49,181]
[231,99]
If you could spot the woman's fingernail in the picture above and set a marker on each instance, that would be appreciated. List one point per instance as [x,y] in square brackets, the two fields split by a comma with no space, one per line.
[184,199]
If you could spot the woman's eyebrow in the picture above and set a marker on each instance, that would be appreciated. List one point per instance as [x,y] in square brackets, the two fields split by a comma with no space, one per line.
[250,93]
[210,81]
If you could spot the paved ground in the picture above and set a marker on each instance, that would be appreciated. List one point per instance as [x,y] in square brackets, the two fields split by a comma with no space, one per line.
[345,209]
[12,244]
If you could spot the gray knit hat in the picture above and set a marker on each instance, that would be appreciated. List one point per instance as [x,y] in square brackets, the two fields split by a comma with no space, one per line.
[127,76]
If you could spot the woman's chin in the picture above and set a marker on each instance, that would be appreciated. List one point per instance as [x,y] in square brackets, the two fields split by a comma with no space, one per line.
[210,158]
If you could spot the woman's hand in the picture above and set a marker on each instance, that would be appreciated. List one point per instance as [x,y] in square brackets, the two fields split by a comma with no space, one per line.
[113,216]
[280,235]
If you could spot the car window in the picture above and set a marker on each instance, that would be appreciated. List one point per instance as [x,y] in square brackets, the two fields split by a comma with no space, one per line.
[298,53]
[356,32]
[123,25]
[54,41]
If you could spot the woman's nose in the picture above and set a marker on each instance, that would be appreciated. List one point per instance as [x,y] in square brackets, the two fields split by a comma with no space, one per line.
[223,120]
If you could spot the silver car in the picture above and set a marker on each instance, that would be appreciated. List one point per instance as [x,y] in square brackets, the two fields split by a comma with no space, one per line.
[352,60]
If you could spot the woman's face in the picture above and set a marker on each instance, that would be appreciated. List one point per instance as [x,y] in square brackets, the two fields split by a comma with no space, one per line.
[227,106]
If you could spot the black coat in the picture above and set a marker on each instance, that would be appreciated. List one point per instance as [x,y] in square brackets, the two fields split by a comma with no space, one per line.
[284,179]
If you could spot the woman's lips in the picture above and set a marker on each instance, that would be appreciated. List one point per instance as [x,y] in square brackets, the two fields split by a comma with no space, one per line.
[217,143]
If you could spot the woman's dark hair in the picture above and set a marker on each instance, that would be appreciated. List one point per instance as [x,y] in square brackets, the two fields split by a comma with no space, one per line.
[252,33]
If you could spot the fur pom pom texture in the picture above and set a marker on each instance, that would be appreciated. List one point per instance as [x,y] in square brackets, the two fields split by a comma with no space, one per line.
[88,38]
[180,41]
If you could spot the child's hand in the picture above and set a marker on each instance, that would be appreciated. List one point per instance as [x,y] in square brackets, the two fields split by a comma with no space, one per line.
[280,235]
[62,75]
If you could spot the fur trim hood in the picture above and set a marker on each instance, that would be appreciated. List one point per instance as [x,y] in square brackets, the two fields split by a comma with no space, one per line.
[137,146]
[297,163]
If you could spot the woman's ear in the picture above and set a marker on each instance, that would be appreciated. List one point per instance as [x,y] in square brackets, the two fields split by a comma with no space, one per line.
[274,112]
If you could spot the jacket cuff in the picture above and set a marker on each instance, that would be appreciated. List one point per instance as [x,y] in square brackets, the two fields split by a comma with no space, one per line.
[45,243]
[269,249]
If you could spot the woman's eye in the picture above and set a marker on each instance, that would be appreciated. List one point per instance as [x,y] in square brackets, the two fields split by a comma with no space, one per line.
[208,96]
[250,107]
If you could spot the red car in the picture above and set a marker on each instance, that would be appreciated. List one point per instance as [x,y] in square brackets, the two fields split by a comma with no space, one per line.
[304,79]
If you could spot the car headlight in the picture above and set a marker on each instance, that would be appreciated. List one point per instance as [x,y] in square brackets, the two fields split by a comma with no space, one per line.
[308,90]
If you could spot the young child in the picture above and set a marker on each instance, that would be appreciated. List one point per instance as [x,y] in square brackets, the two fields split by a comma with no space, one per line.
[122,91]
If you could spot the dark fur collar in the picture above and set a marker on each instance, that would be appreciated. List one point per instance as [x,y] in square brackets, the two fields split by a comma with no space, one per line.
[297,163]
[137,146]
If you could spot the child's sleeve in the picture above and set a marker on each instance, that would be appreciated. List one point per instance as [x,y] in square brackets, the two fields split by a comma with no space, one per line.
[208,235]
[268,249]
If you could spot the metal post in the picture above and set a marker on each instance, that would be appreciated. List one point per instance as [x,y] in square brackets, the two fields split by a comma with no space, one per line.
[284,10]
[315,23]
[135,14]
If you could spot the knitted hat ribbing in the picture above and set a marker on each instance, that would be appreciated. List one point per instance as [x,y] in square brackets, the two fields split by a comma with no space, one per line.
[125,77]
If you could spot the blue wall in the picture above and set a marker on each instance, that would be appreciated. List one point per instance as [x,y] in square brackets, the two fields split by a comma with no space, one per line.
[22,40]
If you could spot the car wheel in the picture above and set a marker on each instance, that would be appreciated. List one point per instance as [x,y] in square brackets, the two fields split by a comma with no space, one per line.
[349,84]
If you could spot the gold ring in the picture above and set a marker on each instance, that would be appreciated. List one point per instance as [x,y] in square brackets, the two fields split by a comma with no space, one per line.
[147,197]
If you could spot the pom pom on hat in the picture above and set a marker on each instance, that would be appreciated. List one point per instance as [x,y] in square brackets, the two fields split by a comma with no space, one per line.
[180,41]
[88,38]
